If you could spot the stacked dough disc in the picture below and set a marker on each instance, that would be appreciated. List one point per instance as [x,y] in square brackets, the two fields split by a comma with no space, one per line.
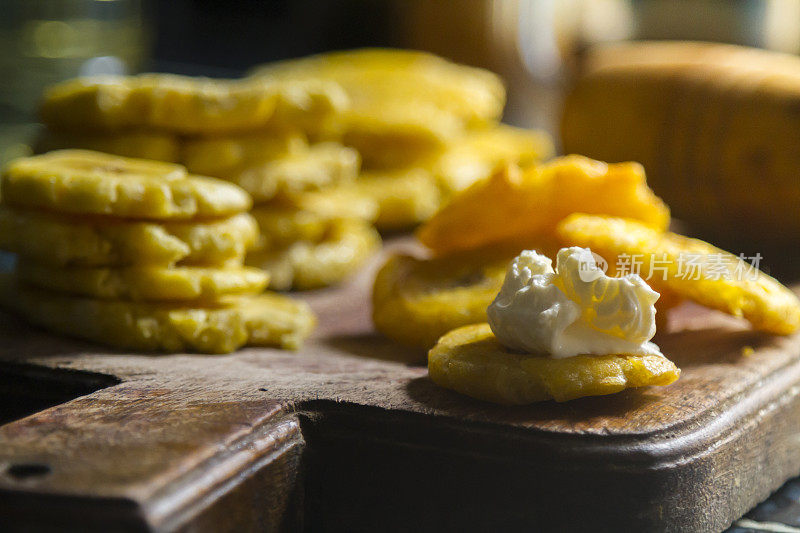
[251,132]
[138,254]
[307,241]
[424,127]
[294,135]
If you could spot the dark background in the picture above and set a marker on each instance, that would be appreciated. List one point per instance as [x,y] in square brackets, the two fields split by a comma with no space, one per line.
[230,36]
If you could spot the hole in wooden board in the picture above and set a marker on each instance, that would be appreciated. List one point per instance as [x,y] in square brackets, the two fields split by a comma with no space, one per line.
[28,470]
[27,389]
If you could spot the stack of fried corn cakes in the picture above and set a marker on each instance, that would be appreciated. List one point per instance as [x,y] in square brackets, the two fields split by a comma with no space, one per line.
[330,147]
[424,127]
[138,254]
[250,132]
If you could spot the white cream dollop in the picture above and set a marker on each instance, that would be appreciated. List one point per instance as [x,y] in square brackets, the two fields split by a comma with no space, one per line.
[575,310]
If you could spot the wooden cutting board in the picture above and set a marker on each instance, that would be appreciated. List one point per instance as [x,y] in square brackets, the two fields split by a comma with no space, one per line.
[343,436]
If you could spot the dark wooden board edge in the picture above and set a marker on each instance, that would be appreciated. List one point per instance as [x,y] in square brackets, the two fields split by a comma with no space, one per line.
[327,465]
[250,480]
[466,477]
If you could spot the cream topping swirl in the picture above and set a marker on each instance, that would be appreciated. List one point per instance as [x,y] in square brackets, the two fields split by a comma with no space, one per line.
[575,309]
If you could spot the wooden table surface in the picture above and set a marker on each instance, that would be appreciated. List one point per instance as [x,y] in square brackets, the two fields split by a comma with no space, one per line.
[342,435]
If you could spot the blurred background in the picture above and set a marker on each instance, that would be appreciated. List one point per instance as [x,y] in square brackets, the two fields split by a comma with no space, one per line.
[534,44]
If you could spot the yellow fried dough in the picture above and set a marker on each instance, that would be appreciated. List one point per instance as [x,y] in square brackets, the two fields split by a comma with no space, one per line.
[343,249]
[690,268]
[334,202]
[512,206]
[309,216]
[415,301]
[469,159]
[394,134]
[381,75]
[262,320]
[280,226]
[463,161]
[145,283]
[225,156]
[322,165]
[143,145]
[404,198]
[267,167]
[62,240]
[473,158]
[84,182]
[471,361]
[183,104]
[214,242]
[403,103]
[392,200]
